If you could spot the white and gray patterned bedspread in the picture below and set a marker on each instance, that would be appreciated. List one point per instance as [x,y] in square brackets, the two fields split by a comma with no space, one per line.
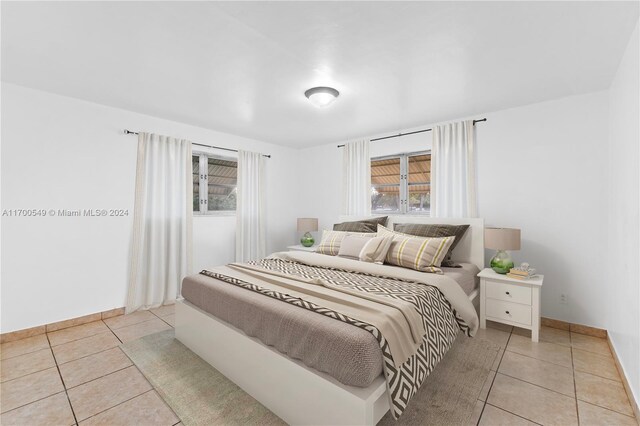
[441,321]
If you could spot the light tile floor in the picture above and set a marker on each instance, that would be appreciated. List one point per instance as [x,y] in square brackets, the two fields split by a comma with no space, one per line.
[565,379]
[79,375]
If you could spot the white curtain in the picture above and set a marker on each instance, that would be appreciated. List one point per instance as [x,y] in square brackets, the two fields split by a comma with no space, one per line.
[161,243]
[250,211]
[453,170]
[356,188]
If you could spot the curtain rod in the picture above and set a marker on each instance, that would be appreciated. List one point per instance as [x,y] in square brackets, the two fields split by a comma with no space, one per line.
[129,132]
[411,133]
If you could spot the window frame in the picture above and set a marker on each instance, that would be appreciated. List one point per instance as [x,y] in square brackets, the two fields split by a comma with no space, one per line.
[404,183]
[203,186]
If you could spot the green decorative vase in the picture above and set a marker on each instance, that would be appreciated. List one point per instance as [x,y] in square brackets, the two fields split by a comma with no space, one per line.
[307,240]
[501,262]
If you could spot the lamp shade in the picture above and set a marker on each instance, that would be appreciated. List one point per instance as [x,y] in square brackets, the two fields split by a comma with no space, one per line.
[307,224]
[502,238]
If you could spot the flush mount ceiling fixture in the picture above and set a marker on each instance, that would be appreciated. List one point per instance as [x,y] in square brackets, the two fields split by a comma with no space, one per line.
[322,96]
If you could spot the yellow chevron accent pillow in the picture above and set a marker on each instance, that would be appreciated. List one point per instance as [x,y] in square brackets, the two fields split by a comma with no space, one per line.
[419,253]
[331,240]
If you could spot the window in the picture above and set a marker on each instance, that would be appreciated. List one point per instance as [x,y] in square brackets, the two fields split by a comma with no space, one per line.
[214,184]
[401,183]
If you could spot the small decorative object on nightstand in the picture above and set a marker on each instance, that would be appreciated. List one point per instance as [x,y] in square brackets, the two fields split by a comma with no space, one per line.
[502,239]
[300,247]
[307,225]
[510,301]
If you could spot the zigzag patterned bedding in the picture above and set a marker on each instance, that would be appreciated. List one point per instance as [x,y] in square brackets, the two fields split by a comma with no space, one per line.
[440,320]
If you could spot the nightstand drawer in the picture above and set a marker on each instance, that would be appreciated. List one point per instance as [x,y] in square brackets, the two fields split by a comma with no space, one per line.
[508,292]
[510,311]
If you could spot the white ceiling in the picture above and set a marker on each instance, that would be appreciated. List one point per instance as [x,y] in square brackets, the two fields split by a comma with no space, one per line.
[242,67]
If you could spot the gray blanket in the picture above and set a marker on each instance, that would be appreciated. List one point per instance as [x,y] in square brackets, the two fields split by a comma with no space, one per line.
[349,354]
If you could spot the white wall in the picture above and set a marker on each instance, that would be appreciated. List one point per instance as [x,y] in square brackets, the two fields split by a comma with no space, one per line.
[623,270]
[540,169]
[62,153]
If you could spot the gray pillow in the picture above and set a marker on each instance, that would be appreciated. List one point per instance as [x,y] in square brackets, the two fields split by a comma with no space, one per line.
[367,225]
[435,231]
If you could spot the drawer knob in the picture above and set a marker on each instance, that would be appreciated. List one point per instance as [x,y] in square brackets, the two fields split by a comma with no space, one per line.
[507,312]
[507,293]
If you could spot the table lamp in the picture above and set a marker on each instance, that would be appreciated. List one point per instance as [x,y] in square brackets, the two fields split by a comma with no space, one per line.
[307,225]
[502,239]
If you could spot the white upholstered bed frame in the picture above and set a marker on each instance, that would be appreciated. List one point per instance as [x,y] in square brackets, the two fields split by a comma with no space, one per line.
[296,393]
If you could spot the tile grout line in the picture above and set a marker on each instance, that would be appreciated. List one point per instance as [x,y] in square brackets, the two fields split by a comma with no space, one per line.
[113,330]
[573,374]
[64,386]
[601,377]
[114,333]
[163,320]
[81,338]
[87,356]
[33,372]
[133,397]
[32,402]
[100,377]
[153,388]
[532,357]
[26,353]
[536,385]
[607,409]
[494,377]
[517,415]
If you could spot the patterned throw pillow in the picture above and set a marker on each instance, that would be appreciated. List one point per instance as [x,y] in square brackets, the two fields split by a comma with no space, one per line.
[367,225]
[421,254]
[331,241]
[435,230]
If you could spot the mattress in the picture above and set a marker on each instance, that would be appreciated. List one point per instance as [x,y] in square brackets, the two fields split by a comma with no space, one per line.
[349,354]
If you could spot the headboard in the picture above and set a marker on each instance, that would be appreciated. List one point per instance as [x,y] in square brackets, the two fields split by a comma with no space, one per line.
[469,249]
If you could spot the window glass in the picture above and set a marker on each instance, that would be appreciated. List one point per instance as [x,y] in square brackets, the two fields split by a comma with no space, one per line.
[419,185]
[195,165]
[401,184]
[385,185]
[222,184]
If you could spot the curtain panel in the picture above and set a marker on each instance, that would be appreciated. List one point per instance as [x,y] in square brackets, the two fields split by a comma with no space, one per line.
[453,170]
[356,173]
[161,250]
[250,209]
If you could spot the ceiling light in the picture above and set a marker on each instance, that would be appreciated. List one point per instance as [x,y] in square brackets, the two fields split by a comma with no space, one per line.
[322,96]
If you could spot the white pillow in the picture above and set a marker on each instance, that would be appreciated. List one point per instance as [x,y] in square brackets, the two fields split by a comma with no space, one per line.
[375,249]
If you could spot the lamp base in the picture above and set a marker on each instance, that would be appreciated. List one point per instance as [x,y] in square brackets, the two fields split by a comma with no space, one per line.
[307,240]
[501,262]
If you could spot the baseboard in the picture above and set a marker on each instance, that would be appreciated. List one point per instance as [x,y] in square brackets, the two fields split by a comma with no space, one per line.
[625,382]
[59,325]
[575,328]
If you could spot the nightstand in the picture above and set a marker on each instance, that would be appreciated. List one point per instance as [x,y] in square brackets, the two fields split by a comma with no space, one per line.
[300,247]
[510,301]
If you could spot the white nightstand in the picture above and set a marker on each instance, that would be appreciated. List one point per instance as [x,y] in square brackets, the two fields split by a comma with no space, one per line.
[510,301]
[300,247]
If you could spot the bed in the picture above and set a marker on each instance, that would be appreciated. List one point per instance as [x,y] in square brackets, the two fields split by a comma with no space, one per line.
[338,375]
